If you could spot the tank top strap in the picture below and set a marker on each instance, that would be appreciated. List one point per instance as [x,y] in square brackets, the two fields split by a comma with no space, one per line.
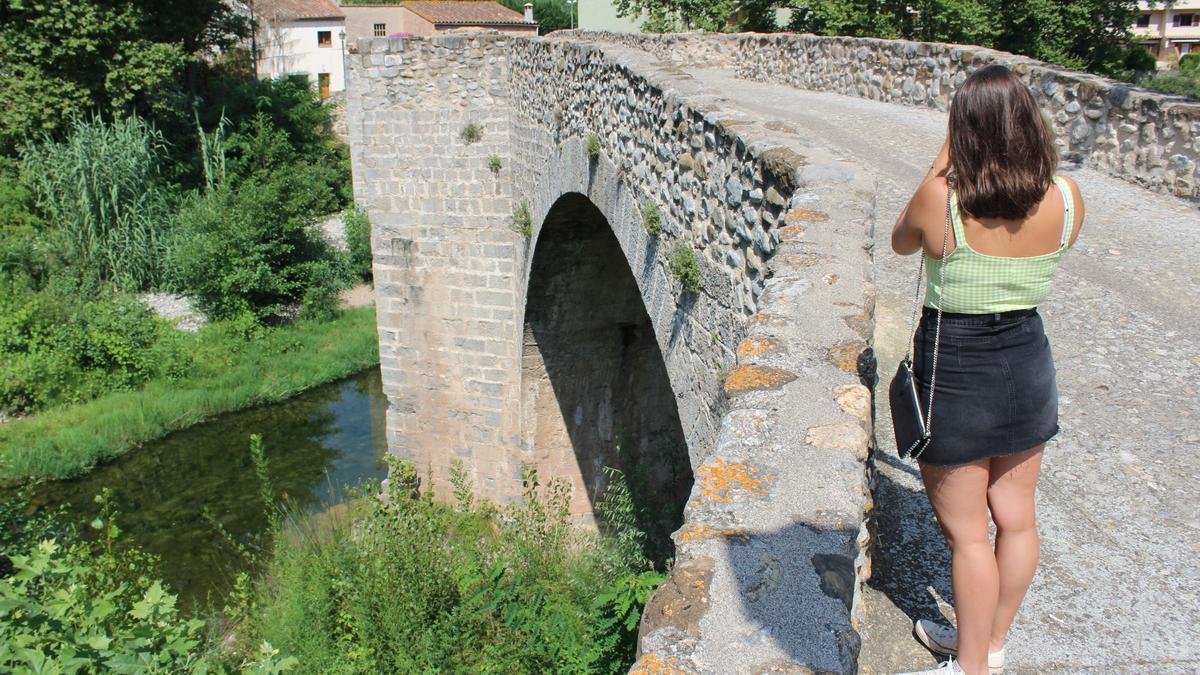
[956,218]
[1068,210]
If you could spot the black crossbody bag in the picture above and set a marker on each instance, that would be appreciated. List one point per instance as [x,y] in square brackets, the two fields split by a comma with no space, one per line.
[914,429]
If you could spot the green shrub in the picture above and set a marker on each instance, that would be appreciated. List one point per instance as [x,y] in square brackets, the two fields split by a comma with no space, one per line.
[358,242]
[56,348]
[684,267]
[409,584]
[290,108]
[252,248]
[1183,85]
[495,164]
[592,144]
[472,133]
[651,218]
[100,188]
[78,608]
[1140,60]
[70,606]
[522,221]
[1190,64]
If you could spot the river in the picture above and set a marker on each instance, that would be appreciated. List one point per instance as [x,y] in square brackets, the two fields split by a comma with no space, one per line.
[170,491]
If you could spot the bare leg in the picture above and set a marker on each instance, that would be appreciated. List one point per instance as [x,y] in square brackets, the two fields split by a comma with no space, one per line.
[959,498]
[1010,496]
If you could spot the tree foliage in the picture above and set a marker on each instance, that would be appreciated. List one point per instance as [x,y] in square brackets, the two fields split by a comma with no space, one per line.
[551,15]
[1090,35]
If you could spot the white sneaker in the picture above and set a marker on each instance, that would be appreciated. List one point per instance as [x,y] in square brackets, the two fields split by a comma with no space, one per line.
[947,667]
[944,640]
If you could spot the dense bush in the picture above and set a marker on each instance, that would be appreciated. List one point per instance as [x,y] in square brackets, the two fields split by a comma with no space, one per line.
[1190,64]
[56,347]
[100,189]
[414,585]
[253,248]
[1183,85]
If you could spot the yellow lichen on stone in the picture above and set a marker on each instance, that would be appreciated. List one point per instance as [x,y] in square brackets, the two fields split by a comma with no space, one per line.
[720,482]
[700,532]
[756,378]
[791,232]
[756,346]
[653,664]
[797,215]
[845,356]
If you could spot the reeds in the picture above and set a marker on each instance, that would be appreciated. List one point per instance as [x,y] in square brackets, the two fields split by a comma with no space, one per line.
[100,187]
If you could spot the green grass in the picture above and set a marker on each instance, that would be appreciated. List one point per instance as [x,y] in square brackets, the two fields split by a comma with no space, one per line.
[229,372]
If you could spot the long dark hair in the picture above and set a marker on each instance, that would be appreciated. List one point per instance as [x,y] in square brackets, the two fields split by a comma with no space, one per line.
[1001,148]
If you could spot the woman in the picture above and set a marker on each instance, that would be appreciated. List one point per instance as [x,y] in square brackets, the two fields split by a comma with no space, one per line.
[995,401]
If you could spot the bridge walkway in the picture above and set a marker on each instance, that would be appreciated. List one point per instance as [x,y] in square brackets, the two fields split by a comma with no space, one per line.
[1117,588]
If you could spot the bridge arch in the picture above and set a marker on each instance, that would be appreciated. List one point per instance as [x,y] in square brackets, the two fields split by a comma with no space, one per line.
[595,391]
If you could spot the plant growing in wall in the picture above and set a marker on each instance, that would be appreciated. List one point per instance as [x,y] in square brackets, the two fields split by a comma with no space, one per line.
[593,146]
[522,221]
[472,133]
[651,218]
[684,267]
[495,163]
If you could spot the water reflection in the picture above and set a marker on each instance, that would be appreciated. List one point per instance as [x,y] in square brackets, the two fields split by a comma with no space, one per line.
[316,444]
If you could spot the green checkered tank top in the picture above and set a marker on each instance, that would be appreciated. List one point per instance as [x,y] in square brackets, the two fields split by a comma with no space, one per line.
[977,283]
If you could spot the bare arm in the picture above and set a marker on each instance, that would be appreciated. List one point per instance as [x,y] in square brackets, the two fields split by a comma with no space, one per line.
[907,234]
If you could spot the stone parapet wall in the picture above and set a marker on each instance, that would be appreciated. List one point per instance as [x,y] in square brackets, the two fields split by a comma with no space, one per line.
[1141,136]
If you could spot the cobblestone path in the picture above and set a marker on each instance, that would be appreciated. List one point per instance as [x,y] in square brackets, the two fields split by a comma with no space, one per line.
[1117,590]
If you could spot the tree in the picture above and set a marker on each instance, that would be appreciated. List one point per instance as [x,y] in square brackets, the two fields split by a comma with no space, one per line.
[551,15]
[1091,35]
[59,59]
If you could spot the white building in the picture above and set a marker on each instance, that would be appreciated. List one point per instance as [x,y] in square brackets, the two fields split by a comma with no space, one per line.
[1169,29]
[302,36]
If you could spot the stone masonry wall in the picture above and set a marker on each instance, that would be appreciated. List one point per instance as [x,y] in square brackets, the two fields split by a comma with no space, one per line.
[1141,136]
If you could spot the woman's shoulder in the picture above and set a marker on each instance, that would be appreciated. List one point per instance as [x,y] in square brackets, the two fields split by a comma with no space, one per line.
[930,198]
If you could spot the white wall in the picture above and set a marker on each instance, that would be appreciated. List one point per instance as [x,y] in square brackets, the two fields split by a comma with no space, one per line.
[291,47]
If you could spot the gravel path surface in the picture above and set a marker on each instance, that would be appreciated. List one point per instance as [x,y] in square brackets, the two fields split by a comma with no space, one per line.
[1117,590]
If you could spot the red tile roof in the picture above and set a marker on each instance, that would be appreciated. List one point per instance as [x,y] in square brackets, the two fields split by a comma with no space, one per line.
[287,10]
[466,13]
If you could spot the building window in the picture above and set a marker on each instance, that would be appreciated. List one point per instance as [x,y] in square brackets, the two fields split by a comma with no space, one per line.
[381,30]
[324,38]
[1143,21]
[1185,20]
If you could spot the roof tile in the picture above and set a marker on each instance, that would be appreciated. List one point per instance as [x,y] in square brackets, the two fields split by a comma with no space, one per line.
[466,12]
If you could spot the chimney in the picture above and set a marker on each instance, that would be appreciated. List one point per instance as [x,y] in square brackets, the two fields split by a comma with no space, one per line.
[529,12]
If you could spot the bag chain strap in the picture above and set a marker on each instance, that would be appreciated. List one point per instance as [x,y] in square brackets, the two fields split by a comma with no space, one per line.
[937,333]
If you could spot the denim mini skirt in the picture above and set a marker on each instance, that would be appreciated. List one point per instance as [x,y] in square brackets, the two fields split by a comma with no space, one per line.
[995,392]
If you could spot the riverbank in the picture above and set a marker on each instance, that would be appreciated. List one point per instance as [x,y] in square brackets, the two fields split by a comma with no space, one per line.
[229,371]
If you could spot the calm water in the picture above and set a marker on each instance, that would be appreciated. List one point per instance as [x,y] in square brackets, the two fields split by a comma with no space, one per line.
[316,444]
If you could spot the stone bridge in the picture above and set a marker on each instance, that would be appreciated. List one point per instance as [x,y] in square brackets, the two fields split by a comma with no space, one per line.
[603,250]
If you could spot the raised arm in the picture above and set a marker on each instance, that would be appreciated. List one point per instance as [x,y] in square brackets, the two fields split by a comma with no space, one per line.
[907,237]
